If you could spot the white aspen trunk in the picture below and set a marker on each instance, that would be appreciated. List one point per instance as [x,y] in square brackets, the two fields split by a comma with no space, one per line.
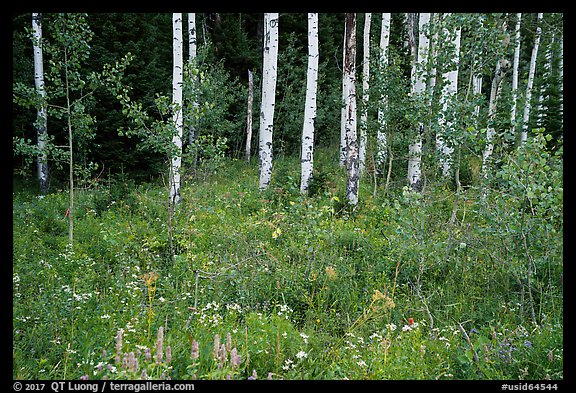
[526,118]
[249,116]
[381,137]
[176,156]
[515,66]
[269,73]
[501,68]
[365,95]
[544,86]
[192,41]
[352,153]
[419,86]
[42,115]
[449,92]
[192,49]
[307,155]
[344,104]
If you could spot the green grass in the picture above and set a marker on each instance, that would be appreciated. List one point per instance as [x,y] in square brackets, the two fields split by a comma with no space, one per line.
[303,287]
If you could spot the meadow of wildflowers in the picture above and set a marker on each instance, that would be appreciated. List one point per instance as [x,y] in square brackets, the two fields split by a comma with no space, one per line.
[274,285]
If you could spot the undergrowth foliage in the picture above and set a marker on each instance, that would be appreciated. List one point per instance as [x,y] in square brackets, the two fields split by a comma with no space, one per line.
[276,285]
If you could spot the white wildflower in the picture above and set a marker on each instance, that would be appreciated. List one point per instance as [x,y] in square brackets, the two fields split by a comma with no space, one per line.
[301,355]
[375,336]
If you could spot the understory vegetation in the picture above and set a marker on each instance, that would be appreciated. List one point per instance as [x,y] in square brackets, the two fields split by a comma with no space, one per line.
[274,284]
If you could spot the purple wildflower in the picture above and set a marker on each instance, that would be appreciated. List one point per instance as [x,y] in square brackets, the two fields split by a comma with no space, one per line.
[168,354]
[222,356]
[132,363]
[159,344]
[235,358]
[195,353]
[125,361]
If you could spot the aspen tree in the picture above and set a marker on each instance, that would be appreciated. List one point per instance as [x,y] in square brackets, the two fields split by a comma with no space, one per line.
[515,67]
[249,116]
[544,86]
[176,161]
[307,154]
[352,153]
[269,74]
[527,103]
[42,116]
[418,88]
[365,95]
[449,92]
[381,136]
[502,66]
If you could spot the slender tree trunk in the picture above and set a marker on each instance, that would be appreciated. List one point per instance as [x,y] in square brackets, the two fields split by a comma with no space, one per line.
[365,95]
[381,136]
[307,156]
[176,156]
[545,85]
[501,68]
[192,41]
[42,116]
[515,67]
[352,153]
[527,104]
[249,116]
[70,211]
[449,92]
[269,73]
[192,50]
[419,86]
